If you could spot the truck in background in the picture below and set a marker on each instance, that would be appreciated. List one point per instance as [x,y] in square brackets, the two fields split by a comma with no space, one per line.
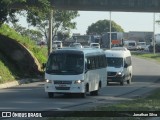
[116,39]
[141,45]
[157,44]
[130,44]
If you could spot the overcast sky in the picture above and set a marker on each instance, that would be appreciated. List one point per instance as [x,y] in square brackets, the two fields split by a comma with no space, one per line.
[129,21]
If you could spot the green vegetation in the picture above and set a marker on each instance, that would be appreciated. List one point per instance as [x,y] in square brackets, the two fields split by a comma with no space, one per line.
[8,71]
[102,26]
[39,52]
[5,74]
[152,56]
[150,103]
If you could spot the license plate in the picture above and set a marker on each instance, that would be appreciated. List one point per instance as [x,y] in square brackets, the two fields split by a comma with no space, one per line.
[62,85]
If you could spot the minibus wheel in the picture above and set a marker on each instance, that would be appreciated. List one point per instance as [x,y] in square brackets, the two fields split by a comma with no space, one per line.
[83,95]
[50,94]
[95,93]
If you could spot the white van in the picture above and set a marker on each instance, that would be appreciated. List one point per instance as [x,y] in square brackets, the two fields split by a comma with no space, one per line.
[57,44]
[95,45]
[119,65]
[130,44]
[142,45]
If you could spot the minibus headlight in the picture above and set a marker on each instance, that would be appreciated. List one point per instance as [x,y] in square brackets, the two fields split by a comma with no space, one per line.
[49,81]
[78,81]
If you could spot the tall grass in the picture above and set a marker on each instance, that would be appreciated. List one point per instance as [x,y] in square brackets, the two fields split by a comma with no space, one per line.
[148,55]
[8,71]
[39,52]
[5,73]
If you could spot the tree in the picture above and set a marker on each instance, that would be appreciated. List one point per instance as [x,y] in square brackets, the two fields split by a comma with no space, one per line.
[5,11]
[102,26]
[62,22]
[32,34]
[9,8]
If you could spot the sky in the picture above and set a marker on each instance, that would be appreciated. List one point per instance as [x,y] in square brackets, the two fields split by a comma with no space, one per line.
[129,21]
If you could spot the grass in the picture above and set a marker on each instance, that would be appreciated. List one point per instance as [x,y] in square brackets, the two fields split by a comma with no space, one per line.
[151,56]
[8,71]
[39,52]
[150,103]
[5,73]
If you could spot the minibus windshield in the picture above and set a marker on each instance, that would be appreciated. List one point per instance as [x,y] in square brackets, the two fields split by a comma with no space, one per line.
[65,64]
[115,62]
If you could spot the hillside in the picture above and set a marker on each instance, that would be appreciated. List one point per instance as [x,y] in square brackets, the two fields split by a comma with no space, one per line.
[20,57]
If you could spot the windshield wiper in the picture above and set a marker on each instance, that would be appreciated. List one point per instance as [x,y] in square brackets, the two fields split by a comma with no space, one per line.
[53,71]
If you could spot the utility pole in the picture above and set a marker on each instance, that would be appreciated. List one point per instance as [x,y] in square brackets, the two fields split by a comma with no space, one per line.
[110,35]
[153,40]
[50,32]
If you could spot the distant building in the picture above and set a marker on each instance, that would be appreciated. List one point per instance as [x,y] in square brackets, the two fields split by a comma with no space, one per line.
[139,36]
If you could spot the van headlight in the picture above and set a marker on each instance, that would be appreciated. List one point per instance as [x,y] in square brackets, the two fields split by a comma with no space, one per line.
[78,81]
[48,81]
[119,74]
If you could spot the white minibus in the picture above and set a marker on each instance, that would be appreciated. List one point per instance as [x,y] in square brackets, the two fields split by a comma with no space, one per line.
[119,65]
[73,70]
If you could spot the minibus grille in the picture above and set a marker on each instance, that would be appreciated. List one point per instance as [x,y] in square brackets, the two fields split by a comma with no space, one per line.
[111,73]
[62,88]
[62,82]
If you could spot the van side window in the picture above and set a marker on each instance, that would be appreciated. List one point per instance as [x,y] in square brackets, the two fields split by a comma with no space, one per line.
[128,61]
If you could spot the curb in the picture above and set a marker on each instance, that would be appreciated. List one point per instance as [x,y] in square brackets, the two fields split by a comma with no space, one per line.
[19,82]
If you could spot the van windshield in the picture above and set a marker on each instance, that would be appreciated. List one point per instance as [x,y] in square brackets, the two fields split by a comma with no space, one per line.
[132,44]
[65,64]
[115,62]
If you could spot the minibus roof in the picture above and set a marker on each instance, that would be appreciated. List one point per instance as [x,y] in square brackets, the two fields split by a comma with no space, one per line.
[85,51]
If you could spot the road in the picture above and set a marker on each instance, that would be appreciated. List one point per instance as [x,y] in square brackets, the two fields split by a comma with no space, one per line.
[31,97]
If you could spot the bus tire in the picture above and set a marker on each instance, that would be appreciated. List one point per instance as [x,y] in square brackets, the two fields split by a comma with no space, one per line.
[83,95]
[95,93]
[50,94]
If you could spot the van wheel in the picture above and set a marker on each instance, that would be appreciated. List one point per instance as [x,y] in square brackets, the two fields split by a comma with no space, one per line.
[107,83]
[94,93]
[122,83]
[83,95]
[129,81]
[50,94]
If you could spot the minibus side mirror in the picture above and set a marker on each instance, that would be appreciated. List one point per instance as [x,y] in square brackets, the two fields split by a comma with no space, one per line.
[126,65]
[43,66]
